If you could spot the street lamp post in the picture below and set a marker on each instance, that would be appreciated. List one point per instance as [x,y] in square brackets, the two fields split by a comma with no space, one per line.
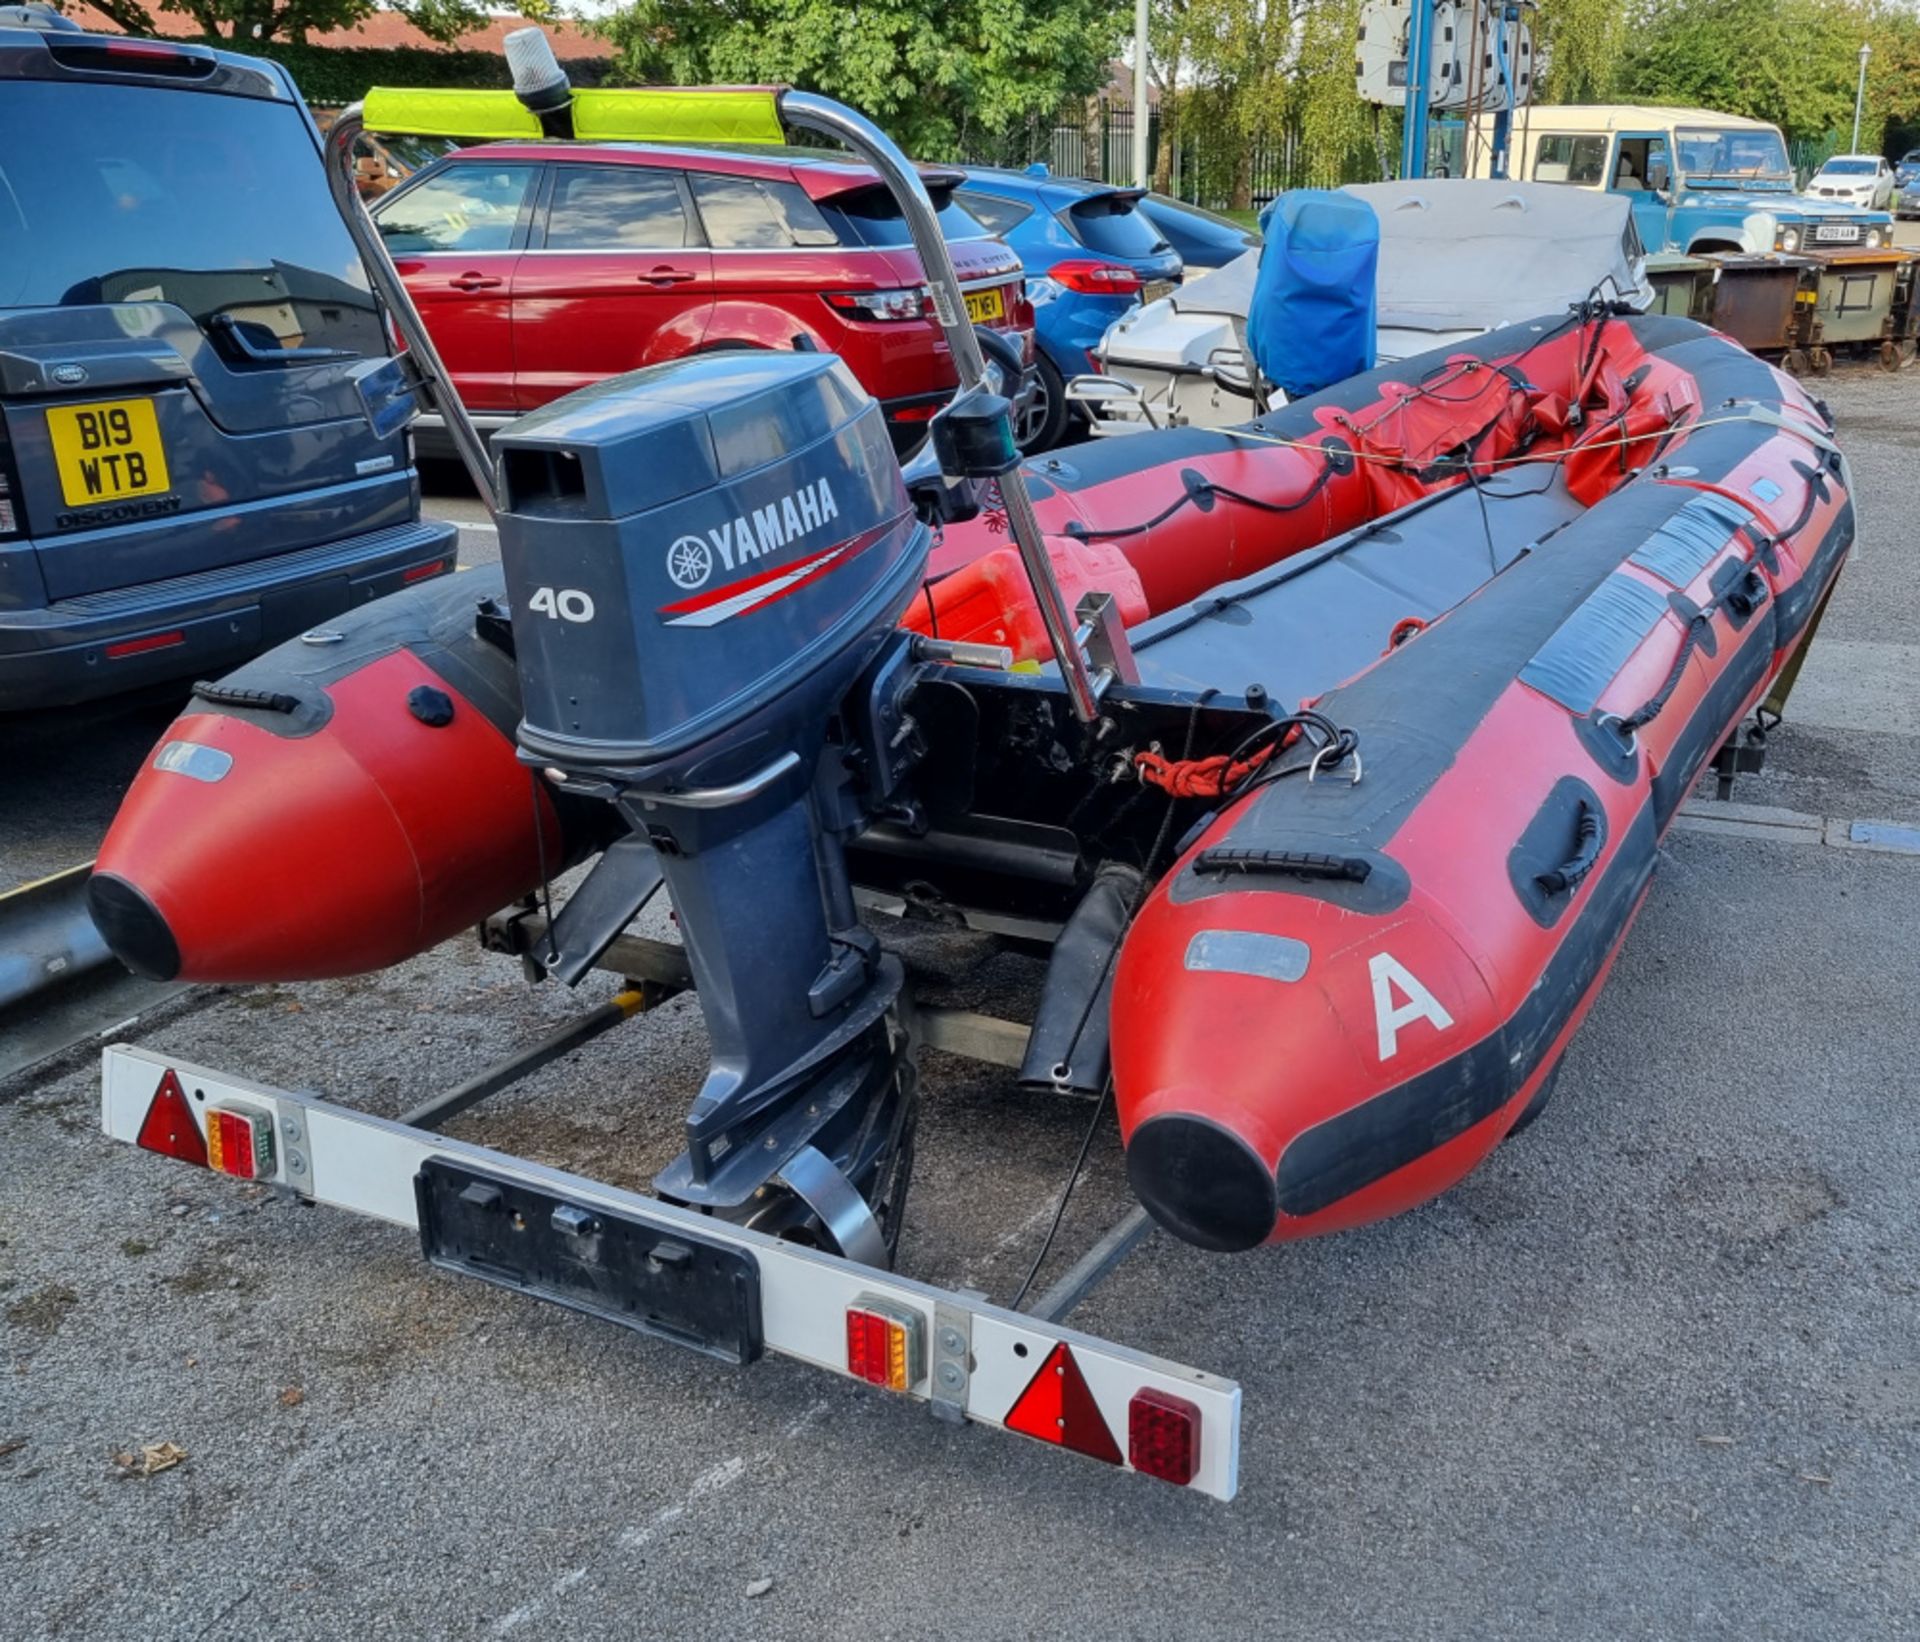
[1859,95]
[1142,157]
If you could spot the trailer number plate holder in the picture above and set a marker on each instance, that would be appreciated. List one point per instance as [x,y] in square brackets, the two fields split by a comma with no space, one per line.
[677,1286]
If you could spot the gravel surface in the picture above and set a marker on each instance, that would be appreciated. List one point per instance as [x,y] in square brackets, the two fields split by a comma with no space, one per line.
[1653,1371]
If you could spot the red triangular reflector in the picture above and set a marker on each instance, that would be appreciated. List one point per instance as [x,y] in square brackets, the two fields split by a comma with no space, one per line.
[1058,1407]
[168,1127]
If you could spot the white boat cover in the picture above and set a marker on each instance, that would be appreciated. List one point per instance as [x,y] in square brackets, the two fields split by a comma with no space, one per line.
[1466,254]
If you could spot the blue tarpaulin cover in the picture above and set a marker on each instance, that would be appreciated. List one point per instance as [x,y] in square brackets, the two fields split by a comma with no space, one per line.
[1310,322]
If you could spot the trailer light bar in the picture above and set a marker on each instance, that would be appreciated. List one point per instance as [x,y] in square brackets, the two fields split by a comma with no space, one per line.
[240,1143]
[885,1343]
[1163,1436]
[736,1293]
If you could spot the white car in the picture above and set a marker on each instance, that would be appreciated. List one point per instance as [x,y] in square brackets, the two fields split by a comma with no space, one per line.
[1855,179]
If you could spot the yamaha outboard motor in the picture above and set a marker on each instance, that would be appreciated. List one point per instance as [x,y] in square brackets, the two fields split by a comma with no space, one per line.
[702,559]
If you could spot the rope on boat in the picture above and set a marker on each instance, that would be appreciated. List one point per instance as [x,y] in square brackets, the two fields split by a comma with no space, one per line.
[1251,764]
[1678,424]
[1199,490]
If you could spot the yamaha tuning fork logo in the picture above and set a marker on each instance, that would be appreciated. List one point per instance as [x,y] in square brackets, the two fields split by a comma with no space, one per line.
[689,562]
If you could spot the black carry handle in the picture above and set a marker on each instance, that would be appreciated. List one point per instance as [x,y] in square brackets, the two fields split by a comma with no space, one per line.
[1586,852]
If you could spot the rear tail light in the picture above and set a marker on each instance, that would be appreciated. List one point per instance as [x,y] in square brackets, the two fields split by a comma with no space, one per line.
[240,1143]
[1163,1436]
[424,572]
[885,1344]
[98,55]
[10,522]
[905,303]
[1091,278]
[148,642]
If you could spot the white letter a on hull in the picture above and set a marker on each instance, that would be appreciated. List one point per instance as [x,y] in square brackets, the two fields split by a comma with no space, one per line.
[1421,1005]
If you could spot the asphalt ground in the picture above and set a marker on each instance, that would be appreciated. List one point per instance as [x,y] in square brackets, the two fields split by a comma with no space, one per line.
[1653,1371]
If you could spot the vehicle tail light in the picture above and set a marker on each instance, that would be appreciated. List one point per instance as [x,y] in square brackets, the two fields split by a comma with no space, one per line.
[169,1127]
[425,572]
[100,55]
[10,523]
[885,1344]
[905,303]
[145,643]
[240,1142]
[1092,278]
[1163,1436]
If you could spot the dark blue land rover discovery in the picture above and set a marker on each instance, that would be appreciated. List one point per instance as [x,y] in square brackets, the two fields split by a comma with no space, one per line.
[189,468]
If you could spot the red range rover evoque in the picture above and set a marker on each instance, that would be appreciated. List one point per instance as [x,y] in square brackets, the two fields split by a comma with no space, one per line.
[542,267]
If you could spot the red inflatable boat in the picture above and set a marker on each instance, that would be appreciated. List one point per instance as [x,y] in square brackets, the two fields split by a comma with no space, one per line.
[1348,990]
[1488,615]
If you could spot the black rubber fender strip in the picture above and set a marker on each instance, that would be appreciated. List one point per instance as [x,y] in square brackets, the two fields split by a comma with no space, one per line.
[234,695]
[1069,1046]
[1224,859]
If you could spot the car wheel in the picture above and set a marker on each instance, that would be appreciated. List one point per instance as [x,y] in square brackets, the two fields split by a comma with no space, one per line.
[1044,417]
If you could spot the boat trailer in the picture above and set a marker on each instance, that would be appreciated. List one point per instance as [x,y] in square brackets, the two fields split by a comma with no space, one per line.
[801,1265]
[782,780]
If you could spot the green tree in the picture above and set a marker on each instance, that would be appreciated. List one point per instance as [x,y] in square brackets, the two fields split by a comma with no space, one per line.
[938,74]
[1237,74]
[1337,130]
[1791,62]
[1893,81]
[1237,59]
[1580,44]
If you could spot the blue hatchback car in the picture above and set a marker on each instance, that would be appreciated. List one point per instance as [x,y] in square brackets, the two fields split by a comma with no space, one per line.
[1091,254]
